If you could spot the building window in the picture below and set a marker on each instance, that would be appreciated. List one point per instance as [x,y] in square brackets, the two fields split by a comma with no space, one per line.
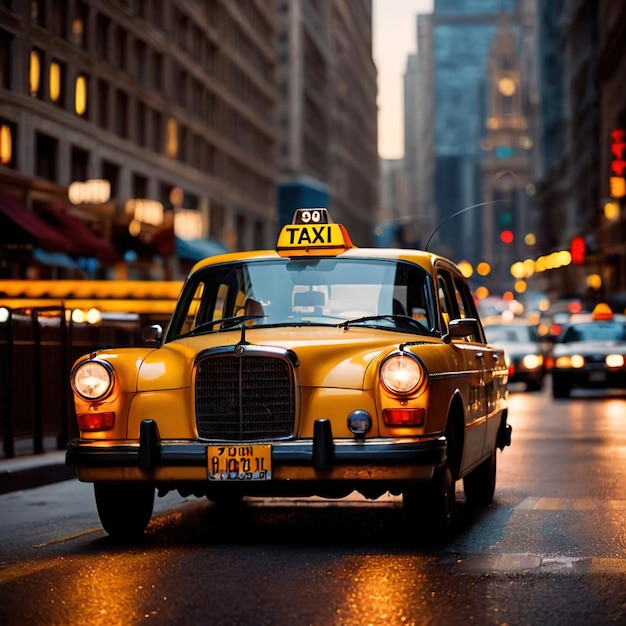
[56,83]
[121,45]
[121,114]
[102,36]
[141,62]
[79,22]
[157,71]
[140,125]
[58,14]
[7,153]
[38,12]
[171,139]
[80,95]
[217,220]
[6,40]
[140,186]
[46,157]
[79,164]
[34,73]
[111,172]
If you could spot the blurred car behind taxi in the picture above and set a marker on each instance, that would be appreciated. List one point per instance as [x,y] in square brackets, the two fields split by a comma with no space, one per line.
[523,351]
[590,353]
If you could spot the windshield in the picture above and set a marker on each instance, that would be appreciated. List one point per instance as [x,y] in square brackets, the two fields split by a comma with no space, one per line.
[595,331]
[305,291]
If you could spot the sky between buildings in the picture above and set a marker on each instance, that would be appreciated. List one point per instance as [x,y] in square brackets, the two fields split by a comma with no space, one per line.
[395,37]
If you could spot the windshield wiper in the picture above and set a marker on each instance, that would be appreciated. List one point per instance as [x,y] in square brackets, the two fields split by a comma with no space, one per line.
[399,320]
[232,321]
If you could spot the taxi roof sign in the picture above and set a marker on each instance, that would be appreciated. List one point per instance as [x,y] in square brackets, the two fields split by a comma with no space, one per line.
[313,233]
[602,311]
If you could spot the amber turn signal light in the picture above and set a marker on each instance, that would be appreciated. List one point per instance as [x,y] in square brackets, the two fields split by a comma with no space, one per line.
[96,421]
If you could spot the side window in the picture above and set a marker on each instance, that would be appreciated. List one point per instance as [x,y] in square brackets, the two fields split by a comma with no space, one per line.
[447,300]
[193,312]
[466,305]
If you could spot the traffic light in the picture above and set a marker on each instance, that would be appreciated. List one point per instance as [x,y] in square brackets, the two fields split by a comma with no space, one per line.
[507,236]
[578,250]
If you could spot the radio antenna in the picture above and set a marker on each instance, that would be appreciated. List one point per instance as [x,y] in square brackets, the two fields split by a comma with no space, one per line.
[467,208]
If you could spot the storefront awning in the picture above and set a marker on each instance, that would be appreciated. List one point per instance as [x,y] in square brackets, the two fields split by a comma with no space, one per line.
[84,241]
[23,225]
[197,249]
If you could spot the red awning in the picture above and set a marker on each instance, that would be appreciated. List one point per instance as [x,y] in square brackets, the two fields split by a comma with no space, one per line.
[27,226]
[84,241]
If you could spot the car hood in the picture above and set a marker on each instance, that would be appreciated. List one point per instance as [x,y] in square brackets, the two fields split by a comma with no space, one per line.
[327,357]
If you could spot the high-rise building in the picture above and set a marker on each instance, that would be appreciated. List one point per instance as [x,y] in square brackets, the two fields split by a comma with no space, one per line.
[327,112]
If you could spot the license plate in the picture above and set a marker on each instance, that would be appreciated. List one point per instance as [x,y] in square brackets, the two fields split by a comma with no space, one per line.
[240,463]
[597,377]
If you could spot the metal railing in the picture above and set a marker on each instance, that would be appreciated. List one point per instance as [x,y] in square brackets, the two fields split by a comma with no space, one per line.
[38,347]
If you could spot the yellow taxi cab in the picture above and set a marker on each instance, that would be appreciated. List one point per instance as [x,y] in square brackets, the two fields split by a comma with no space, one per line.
[590,352]
[317,368]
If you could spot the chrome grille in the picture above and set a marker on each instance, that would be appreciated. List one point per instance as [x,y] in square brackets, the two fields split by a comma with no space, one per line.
[244,398]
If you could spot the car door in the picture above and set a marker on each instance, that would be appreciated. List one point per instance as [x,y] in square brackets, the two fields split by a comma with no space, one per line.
[470,354]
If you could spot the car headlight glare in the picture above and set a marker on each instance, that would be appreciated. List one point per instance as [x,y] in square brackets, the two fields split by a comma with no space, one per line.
[92,380]
[532,361]
[401,373]
[575,361]
[614,360]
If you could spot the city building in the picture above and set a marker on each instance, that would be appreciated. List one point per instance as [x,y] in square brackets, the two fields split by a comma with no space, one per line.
[327,112]
[582,183]
[172,103]
[471,110]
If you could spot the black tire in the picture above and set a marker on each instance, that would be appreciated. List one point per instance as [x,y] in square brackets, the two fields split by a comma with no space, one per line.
[431,506]
[124,509]
[559,390]
[480,483]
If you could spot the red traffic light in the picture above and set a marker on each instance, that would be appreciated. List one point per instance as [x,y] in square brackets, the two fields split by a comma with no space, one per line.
[578,250]
[507,236]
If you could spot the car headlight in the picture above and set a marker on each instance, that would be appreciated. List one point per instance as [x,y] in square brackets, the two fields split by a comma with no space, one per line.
[532,361]
[92,380]
[614,360]
[401,373]
[575,361]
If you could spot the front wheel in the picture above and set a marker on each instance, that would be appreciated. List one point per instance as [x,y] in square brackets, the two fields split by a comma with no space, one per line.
[124,509]
[431,506]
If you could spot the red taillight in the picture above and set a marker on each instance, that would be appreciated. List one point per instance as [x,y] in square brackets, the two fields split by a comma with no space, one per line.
[403,417]
[96,421]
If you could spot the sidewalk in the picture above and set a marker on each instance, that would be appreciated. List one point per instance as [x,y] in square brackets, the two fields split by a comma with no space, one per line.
[27,470]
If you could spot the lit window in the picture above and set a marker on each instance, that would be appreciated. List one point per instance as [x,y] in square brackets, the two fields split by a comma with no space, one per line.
[171,142]
[80,98]
[55,81]
[6,144]
[35,72]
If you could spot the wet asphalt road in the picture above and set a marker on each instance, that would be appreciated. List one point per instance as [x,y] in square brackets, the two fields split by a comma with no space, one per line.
[550,550]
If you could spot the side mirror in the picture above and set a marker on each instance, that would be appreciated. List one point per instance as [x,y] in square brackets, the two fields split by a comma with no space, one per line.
[459,328]
[152,334]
